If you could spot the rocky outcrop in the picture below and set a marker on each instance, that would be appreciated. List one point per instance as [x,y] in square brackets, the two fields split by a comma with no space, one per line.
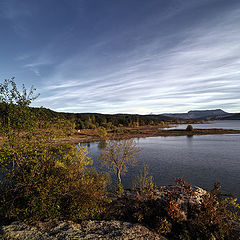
[85,230]
[90,229]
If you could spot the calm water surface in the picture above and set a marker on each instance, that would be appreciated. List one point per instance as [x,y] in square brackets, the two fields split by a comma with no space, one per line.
[200,160]
[229,124]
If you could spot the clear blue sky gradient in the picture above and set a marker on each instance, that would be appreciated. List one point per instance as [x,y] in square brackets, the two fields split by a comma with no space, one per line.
[124,56]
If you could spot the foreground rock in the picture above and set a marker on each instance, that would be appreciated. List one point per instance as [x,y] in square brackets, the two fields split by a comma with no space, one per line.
[85,230]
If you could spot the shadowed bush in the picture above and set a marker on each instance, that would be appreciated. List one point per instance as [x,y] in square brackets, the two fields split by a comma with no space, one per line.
[49,181]
[174,213]
[41,179]
[189,128]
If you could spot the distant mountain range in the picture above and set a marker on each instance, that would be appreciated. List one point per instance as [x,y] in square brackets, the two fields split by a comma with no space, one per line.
[233,116]
[216,114]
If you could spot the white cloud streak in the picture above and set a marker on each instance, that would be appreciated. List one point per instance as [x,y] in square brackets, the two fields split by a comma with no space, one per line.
[201,71]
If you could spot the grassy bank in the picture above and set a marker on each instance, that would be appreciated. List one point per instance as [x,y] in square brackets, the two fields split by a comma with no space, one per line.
[91,135]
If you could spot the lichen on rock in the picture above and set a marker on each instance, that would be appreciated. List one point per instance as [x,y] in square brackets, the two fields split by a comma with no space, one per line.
[85,230]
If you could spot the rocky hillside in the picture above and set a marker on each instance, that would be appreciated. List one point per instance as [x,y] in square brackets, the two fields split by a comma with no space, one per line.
[235,116]
[199,114]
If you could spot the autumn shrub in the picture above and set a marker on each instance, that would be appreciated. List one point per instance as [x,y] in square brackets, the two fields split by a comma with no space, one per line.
[84,196]
[215,217]
[205,216]
[40,178]
[144,185]
[45,180]
[179,212]
[101,132]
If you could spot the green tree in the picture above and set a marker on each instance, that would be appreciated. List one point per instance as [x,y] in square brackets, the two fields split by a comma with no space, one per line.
[102,132]
[42,179]
[86,124]
[15,106]
[144,184]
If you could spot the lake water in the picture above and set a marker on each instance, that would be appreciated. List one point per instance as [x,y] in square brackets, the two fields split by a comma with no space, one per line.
[229,124]
[200,160]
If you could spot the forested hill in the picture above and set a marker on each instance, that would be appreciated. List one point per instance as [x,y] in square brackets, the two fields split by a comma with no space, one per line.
[93,120]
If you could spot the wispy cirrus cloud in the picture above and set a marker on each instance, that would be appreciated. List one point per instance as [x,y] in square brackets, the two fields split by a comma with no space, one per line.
[168,56]
[202,68]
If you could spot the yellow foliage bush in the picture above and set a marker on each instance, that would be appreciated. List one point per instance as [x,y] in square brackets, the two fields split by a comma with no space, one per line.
[45,180]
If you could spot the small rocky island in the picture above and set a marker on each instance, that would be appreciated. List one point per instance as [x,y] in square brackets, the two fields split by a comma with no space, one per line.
[91,135]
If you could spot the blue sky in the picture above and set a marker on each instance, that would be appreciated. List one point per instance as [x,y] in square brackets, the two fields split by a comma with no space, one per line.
[124,56]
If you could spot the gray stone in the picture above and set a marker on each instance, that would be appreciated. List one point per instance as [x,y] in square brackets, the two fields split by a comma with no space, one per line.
[86,230]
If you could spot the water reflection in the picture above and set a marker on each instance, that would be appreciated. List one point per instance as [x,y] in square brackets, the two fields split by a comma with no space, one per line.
[102,144]
[86,144]
[189,140]
[200,160]
[225,124]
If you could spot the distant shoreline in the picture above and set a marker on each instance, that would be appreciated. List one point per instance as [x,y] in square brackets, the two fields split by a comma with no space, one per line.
[90,135]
